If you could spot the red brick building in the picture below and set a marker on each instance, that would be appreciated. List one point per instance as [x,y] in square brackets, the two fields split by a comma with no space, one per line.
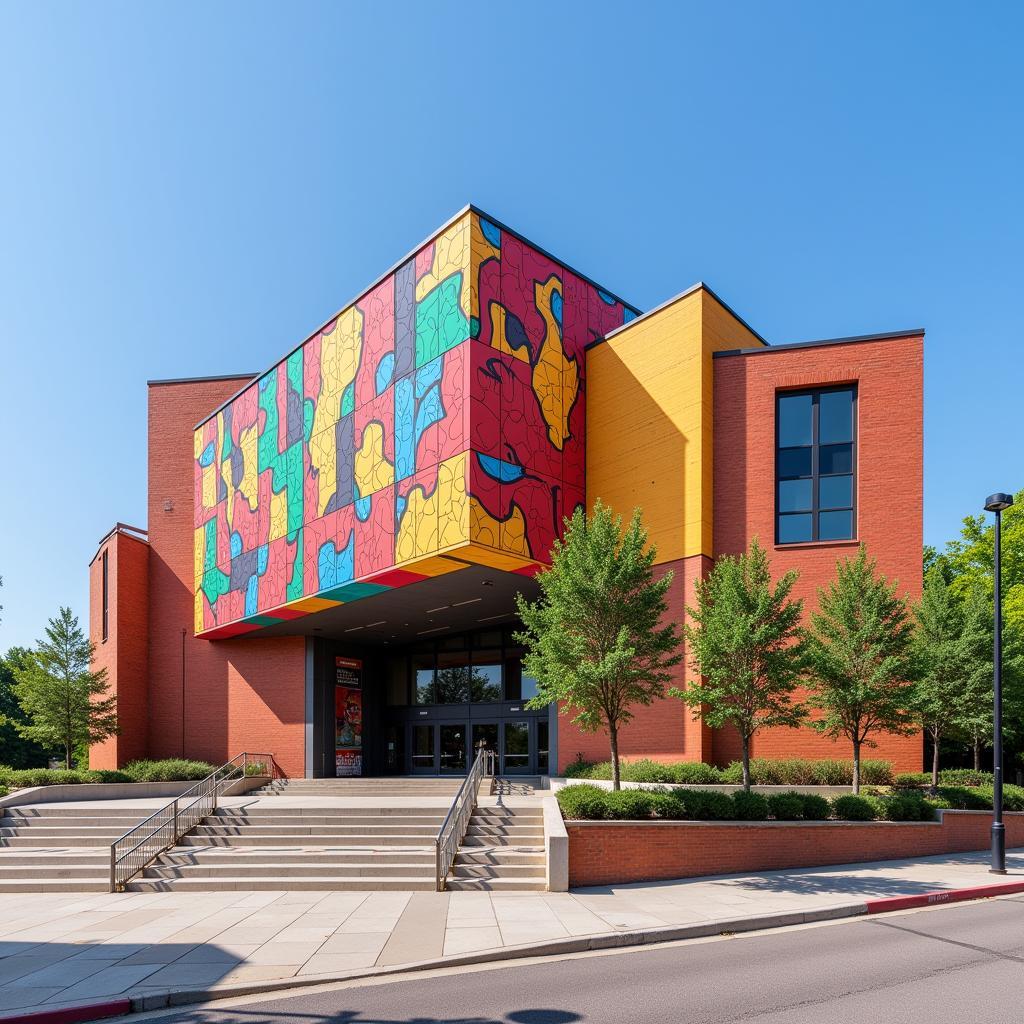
[334,546]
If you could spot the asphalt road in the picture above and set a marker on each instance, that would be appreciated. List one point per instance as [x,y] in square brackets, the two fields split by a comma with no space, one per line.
[962,964]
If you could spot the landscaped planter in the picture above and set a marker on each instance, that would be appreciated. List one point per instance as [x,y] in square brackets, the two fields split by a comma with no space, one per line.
[603,852]
[555,783]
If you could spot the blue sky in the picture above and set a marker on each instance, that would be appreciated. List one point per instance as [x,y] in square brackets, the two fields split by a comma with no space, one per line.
[189,188]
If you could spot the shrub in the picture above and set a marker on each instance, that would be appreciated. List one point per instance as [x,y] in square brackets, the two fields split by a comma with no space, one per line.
[578,769]
[911,780]
[853,808]
[787,806]
[706,804]
[628,804]
[668,806]
[874,773]
[109,775]
[903,807]
[171,769]
[646,770]
[797,771]
[833,773]
[257,768]
[816,808]
[750,806]
[582,802]
[696,773]
[1013,798]
[964,777]
[26,777]
[961,798]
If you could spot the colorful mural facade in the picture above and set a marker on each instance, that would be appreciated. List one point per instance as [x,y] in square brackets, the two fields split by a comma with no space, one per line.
[437,421]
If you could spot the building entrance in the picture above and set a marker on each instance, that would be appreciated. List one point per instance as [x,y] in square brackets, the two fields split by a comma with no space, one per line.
[425,708]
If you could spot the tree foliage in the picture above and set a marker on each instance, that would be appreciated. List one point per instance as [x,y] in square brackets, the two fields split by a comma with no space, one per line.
[594,639]
[65,703]
[860,657]
[15,750]
[745,641]
[943,652]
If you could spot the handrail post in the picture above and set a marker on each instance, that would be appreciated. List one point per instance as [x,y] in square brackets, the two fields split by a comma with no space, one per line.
[113,867]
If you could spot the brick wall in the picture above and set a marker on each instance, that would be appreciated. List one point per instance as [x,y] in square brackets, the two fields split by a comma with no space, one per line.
[666,729]
[889,378]
[124,651]
[239,694]
[603,853]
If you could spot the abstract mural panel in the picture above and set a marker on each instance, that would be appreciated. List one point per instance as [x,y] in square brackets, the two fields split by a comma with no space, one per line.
[443,411]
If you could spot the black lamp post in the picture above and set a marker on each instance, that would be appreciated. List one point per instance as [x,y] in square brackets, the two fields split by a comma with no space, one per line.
[996,503]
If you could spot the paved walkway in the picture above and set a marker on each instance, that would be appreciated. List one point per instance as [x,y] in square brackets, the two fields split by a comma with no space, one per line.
[58,949]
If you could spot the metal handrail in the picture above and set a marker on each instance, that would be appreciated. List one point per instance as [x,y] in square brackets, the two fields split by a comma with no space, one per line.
[159,831]
[453,828]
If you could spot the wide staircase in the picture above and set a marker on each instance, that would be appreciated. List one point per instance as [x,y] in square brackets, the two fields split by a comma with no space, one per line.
[58,848]
[503,851]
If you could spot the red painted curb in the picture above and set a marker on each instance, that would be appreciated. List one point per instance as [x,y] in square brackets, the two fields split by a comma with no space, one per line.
[73,1014]
[930,899]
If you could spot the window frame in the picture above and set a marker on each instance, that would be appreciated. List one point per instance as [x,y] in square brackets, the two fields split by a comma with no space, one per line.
[815,446]
[106,596]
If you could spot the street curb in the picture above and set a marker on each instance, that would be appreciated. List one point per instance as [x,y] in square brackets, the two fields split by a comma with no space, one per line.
[552,947]
[930,899]
[74,1014]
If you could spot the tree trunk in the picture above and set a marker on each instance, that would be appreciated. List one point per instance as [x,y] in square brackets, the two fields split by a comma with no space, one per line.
[746,764]
[977,753]
[613,735]
[856,766]
[67,756]
[935,761]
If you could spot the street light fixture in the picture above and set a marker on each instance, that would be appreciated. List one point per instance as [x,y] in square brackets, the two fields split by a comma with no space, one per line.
[997,503]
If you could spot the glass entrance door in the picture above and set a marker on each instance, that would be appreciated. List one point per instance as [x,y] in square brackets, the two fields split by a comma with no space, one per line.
[515,755]
[423,749]
[453,749]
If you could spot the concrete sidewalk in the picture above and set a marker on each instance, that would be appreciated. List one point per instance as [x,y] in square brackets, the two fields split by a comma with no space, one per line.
[59,950]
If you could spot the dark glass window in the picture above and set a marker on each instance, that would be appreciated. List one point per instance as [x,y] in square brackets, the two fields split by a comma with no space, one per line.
[106,597]
[485,675]
[423,677]
[452,686]
[814,465]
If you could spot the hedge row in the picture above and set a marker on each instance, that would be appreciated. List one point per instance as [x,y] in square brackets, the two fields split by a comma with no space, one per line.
[947,777]
[591,803]
[763,772]
[172,769]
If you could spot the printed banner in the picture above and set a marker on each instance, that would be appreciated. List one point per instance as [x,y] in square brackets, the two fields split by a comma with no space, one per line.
[348,717]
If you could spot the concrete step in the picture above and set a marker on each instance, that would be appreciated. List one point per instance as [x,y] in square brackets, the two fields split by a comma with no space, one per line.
[433,821]
[59,821]
[83,855]
[97,832]
[495,884]
[54,885]
[46,871]
[500,855]
[77,811]
[348,869]
[299,829]
[362,883]
[299,840]
[521,844]
[506,831]
[504,871]
[218,857]
[24,841]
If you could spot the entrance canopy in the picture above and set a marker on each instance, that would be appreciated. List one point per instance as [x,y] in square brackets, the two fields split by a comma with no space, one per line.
[473,597]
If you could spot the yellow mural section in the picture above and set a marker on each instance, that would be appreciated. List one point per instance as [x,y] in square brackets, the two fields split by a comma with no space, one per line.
[340,350]
[451,256]
[436,520]
[372,469]
[649,419]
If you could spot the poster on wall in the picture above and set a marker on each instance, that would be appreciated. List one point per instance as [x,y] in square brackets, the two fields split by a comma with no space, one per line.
[348,717]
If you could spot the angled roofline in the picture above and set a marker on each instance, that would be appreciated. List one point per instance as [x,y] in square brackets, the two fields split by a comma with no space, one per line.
[685,293]
[200,380]
[468,208]
[131,532]
[853,339]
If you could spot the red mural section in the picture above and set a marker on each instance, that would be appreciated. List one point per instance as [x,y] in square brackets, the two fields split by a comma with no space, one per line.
[531,323]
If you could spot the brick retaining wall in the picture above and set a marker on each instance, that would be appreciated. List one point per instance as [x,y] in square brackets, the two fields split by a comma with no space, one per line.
[603,852]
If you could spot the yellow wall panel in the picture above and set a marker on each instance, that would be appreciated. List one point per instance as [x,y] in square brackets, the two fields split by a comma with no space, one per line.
[650,419]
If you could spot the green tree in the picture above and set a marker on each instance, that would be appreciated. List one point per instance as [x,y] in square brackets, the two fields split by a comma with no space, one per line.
[860,657]
[594,639]
[745,641]
[942,650]
[64,701]
[15,750]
